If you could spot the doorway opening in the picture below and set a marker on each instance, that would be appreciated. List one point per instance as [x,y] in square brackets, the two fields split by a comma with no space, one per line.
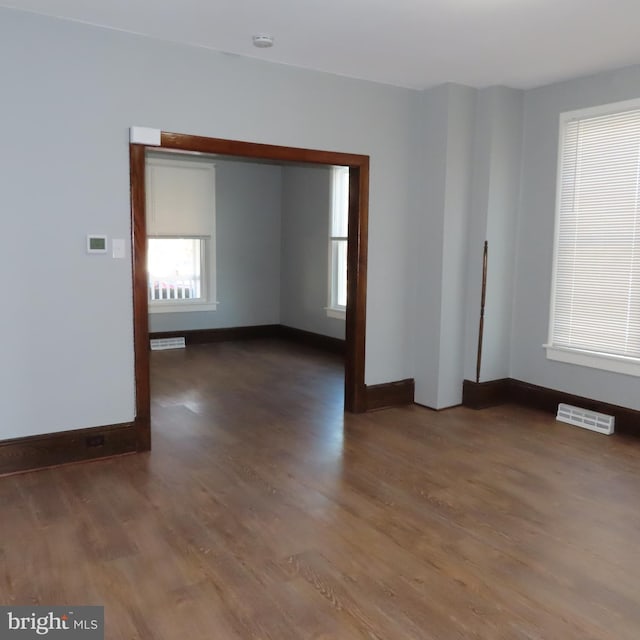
[355,324]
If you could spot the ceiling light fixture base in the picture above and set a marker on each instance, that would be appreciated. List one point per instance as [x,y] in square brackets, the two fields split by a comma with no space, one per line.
[262,41]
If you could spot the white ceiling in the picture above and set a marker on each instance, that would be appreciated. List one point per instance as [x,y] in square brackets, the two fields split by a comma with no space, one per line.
[408,43]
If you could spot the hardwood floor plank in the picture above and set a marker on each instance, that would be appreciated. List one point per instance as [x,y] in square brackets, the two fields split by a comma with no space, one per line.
[265,512]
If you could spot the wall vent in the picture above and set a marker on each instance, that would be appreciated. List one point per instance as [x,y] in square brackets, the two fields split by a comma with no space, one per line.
[157,344]
[591,420]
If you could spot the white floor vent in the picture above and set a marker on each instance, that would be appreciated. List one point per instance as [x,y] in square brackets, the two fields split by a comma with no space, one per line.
[591,420]
[158,344]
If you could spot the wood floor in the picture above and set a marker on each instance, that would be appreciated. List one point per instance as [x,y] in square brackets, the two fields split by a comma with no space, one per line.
[263,512]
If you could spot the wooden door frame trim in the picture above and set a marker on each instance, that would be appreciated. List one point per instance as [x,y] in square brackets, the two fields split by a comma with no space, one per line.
[355,391]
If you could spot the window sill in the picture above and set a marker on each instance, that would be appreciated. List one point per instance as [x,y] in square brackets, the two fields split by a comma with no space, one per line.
[340,314]
[181,308]
[617,364]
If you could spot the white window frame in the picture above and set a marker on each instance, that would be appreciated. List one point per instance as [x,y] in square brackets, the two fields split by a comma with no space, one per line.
[208,300]
[582,357]
[333,309]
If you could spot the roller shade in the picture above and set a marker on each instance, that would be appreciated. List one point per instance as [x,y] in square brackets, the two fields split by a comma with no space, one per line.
[180,197]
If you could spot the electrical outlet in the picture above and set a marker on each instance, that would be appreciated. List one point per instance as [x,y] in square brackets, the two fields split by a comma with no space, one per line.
[95,441]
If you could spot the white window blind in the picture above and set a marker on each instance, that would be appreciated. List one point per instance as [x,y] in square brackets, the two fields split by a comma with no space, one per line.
[596,289]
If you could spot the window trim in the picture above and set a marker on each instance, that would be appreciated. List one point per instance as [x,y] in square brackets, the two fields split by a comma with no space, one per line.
[339,314]
[606,362]
[334,310]
[627,365]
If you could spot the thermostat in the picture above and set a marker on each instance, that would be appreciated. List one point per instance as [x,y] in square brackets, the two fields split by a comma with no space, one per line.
[96,244]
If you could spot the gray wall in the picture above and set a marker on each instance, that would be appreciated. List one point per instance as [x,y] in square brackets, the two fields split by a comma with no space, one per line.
[442,149]
[70,93]
[487,161]
[306,203]
[248,211]
[534,250]
[492,217]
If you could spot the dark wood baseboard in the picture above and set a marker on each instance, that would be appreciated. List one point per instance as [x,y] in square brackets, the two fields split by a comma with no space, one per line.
[531,395]
[80,445]
[53,449]
[204,336]
[481,395]
[495,392]
[379,396]
[389,394]
[310,339]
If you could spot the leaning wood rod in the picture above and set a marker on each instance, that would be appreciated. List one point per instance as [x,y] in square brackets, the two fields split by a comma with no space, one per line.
[482,300]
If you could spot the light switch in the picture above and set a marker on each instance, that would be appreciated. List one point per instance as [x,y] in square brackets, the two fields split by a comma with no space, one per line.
[118,248]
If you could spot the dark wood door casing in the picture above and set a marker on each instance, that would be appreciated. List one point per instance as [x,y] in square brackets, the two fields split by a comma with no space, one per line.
[355,390]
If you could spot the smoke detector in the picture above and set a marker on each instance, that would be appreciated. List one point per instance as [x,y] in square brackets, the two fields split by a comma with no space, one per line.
[262,41]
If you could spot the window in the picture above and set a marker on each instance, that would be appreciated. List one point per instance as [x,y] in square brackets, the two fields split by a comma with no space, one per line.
[181,228]
[175,269]
[595,306]
[338,225]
